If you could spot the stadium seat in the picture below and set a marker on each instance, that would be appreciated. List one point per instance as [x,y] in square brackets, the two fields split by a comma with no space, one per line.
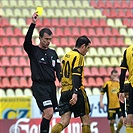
[107,31]
[60,51]
[91,82]
[109,51]
[130,32]
[10,72]
[118,69]
[74,13]
[117,52]
[62,4]
[96,91]
[102,22]
[14,61]
[96,42]
[23,82]
[78,22]
[50,13]
[90,13]
[94,71]
[5,61]
[99,32]
[104,41]
[67,31]
[54,4]
[18,32]
[93,3]
[123,32]
[26,71]
[120,41]
[98,13]
[25,12]
[113,13]
[8,12]
[69,4]
[63,41]
[46,4]
[97,61]
[103,71]
[114,61]
[5,82]
[87,72]
[66,13]
[19,92]
[88,91]
[128,41]
[22,3]
[18,71]
[106,79]
[27,92]
[46,22]
[18,51]
[71,22]
[105,61]
[4,22]
[99,82]
[2,51]
[110,22]
[106,12]
[109,69]
[13,41]
[91,32]
[77,4]
[9,31]
[75,31]
[9,51]
[85,83]
[67,49]
[37,3]
[124,4]
[86,22]
[118,23]
[29,82]
[112,41]
[101,52]
[109,4]
[121,13]
[129,13]
[55,22]
[58,13]
[85,4]
[94,22]
[17,12]
[23,61]
[10,93]
[115,32]
[89,61]
[83,31]
[62,22]
[93,51]
[82,13]
[101,4]
[2,32]
[2,93]
[14,82]
[2,72]
[59,32]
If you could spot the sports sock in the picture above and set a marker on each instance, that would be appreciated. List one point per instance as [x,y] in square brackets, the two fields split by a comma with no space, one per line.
[129,129]
[86,129]
[57,128]
[119,125]
[112,128]
[44,127]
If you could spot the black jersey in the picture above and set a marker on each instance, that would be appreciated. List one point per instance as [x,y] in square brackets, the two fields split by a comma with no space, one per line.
[43,63]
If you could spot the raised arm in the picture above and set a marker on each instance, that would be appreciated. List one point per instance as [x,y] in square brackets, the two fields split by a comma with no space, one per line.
[28,37]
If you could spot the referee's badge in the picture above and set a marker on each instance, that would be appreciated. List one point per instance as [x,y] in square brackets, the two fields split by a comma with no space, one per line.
[53,63]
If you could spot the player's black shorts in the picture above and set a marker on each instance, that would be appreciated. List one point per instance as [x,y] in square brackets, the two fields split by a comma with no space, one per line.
[81,108]
[45,95]
[112,113]
[129,102]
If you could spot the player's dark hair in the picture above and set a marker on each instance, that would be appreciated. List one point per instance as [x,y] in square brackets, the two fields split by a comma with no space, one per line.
[82,40]
[45,30]
[114,71]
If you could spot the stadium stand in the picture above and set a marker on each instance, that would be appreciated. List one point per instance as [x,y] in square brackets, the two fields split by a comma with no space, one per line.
[107,23]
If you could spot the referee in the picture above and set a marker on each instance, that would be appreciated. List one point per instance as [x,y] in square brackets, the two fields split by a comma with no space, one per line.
[45,66]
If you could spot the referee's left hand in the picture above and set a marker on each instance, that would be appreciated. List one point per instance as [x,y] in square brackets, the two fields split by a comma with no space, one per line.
[73,100]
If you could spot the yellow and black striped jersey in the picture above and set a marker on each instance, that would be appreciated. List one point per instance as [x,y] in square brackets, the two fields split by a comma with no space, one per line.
[112,90]
[127,63]
[72,64]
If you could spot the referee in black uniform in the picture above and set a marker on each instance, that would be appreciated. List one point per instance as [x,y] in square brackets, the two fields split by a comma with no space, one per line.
[44,63]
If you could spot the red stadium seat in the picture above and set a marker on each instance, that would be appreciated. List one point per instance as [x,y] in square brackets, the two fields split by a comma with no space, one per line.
[55,22]
[18,51]
[56,41]
[86,22]
[124,4]
[62,22]
[87,72]
[94,23]
[85,83]
[23,61]
[101,4]
[117,4]
[4,22]
[29,82]
[67,31]
[63,41]
[104,41]
[99,32]
[112,41]
[20,41]
[79,22]
[93,3]
[5,41]
[46,22]
[59,32]
[103,71]
[99,82]
[115,32]
[106,79]
[83,31]
[23,82]
[94,71]
[9,51]
[71,22]
[113,13]
[14,61]
[91,32]
[27,71]
[129,13]
[71,41]
[109,69]
[2,72]
[121,13]
[2,51]
[75,31]
[5,61]
[2,32]
[5,82]
[14,82]
[91,82]
[120,41]
[14,41]
[18,32]
[107,31]
[96,42]
[102,23]
[18,71]
[109,4]
[10,72]
[9,31]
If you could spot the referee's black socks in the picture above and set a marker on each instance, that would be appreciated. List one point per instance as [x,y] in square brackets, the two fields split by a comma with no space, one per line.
[44,126]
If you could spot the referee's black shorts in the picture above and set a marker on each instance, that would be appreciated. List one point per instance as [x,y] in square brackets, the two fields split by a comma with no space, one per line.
[81,108]
[45,95]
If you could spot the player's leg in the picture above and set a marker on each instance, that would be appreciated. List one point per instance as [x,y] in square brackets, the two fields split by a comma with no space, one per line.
[119,125]
[129,125]
[65,119]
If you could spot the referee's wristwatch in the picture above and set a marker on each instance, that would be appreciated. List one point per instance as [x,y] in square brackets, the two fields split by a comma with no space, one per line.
[75,91]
